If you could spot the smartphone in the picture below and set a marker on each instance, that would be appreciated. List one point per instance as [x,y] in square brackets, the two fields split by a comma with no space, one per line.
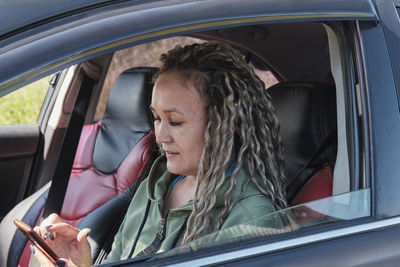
[37,241]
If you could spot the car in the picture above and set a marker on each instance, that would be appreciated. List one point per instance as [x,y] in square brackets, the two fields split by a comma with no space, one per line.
[332,69]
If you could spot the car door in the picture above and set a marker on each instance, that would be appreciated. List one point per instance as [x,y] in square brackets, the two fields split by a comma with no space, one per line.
[21,137]
[370,111]
[364,77]
[373,125]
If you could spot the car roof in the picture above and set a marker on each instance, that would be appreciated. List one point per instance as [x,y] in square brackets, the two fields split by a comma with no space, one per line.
[17,14]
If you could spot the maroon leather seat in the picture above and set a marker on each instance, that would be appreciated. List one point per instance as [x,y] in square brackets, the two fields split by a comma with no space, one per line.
[111,155]
[88,188]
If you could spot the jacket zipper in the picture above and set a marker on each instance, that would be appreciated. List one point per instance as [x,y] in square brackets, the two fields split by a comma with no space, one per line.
[156,244]
[163,228]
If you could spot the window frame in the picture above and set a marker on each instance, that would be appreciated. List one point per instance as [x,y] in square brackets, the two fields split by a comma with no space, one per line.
[315,234]
[379,98]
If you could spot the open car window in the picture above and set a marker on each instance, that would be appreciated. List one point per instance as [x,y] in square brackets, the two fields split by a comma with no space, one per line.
[22,106]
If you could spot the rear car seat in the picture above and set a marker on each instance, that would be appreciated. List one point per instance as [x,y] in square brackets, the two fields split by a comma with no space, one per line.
[307,115]
[112,154]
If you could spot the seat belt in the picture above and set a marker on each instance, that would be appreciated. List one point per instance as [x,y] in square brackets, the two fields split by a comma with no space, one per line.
[300,180]
[66,157]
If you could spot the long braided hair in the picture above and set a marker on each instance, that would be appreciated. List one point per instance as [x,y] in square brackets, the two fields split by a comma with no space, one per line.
[241,126]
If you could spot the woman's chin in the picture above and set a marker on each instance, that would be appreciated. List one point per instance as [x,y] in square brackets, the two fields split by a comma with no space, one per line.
[172,168]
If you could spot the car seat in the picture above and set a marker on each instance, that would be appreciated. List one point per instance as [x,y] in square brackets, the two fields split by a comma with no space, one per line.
[112,154]
[307,116]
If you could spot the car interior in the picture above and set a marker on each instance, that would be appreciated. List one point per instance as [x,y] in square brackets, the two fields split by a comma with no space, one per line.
[115,142]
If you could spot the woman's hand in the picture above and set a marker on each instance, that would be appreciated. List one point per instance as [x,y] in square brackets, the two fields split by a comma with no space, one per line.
[67,242]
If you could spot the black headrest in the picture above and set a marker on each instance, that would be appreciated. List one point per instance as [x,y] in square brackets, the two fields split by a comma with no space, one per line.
[126,120]
[307,114]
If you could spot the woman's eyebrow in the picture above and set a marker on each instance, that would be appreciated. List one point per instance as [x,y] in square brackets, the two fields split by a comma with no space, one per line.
[170,110]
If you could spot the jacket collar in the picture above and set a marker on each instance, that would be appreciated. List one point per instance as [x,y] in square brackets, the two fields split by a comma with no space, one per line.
[160,179]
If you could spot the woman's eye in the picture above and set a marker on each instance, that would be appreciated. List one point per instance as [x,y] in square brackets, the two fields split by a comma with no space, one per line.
[175,123]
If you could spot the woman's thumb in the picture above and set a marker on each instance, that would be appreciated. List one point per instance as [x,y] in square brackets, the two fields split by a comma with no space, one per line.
[82,235]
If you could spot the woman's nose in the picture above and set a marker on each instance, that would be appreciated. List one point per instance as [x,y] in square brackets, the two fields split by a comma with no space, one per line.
[162,134]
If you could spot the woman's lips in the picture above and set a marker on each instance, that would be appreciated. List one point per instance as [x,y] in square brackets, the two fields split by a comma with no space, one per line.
[170,154]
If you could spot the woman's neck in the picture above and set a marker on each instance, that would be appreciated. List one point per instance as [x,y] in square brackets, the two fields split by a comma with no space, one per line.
[182,192]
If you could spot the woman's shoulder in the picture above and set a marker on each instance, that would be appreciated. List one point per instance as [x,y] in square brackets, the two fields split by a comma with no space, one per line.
[256,210]
[254,207]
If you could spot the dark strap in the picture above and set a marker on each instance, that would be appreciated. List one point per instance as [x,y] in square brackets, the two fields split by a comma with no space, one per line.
[300,180]
[68,149]
[146,214]
[156,244]
[106,248]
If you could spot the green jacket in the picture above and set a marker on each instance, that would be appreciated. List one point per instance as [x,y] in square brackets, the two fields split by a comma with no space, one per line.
[156,188]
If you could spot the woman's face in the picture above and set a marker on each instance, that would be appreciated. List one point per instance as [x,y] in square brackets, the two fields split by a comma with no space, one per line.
[180,123]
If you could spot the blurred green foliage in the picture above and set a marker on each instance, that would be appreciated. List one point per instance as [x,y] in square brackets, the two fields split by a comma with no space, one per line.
[23,105]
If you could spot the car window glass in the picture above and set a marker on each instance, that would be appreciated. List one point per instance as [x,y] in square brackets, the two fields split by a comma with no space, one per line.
[344,207]
[22,106]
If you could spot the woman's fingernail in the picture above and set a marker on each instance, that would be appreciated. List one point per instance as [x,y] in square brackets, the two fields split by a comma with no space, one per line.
[60,263]
[51,236]
[44,235]
[32,249]
[48,226]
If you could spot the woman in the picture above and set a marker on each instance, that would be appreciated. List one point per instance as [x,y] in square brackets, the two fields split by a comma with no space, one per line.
[220,139]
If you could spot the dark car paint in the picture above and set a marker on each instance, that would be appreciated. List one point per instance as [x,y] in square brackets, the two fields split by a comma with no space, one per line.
[347,251]
[27,55]
[34,11]
[390,15]
[383,121]
[18,148]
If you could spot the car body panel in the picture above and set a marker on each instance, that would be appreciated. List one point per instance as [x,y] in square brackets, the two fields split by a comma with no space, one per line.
[327,253]
[390,16]
[384,121]
[19,145]
[33,12]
